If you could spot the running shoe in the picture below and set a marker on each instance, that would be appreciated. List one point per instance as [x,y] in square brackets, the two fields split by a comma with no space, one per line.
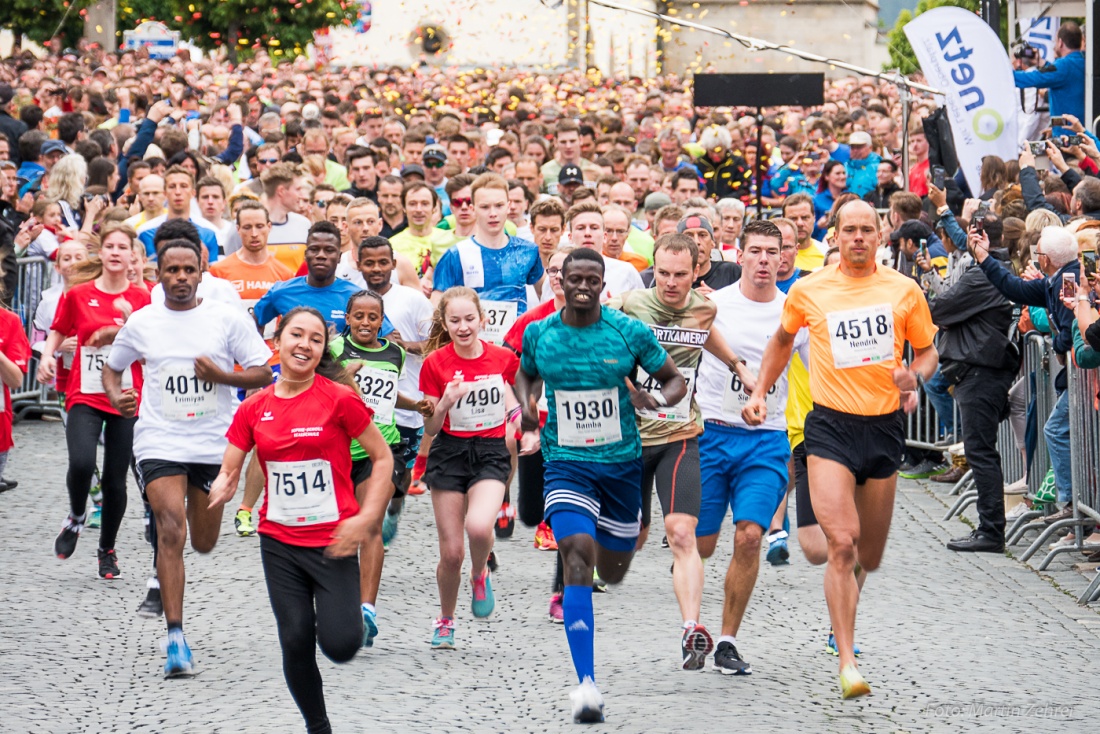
[95,518]
[152,607]
[924,469]
[96,495]
[830,647]
[389,528]
[587,703]
[852,684]
[483,601]
[544,538]
[180,663]
[695,646]
[506,521]
[598,584]
[728,661]
[370,627]
[65,544]
[242,521]
[664,541]
[6,484]
[416,488]
[443,634]
[108,564]
[778,553]
[492,562]
[557,614]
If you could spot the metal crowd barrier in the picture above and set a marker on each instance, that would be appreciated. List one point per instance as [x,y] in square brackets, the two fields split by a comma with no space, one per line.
[35,274]
[1084,427]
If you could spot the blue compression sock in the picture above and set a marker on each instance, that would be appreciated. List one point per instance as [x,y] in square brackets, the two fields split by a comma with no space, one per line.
[580,629]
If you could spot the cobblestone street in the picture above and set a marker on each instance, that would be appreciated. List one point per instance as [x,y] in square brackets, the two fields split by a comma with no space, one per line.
[950,642]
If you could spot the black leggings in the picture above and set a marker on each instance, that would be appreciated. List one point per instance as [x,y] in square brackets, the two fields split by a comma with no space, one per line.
[529,471]
[316,601]
[82,436]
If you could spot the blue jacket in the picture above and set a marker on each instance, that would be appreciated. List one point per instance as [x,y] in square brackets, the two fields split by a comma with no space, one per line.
[1065,78]
[863,174]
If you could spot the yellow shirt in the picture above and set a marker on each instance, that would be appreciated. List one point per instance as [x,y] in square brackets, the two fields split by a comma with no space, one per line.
[799,401]
[810,259]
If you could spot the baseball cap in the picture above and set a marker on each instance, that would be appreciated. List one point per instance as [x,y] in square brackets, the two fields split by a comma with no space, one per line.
[570,174]
[435,153]
[52,146]
[656,200]
[6,93]
[412,169]
[859,138]
[694,221]
[914,229]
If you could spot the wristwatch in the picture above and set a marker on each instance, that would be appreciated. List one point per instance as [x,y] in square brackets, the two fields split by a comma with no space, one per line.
[942,210]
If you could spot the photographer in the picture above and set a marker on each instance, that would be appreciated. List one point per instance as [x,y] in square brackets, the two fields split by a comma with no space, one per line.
[979,360]
[1034,111]
[1064,77]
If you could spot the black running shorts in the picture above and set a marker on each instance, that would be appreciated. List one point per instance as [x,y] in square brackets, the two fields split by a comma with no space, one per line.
[803,506]
[870,446]
[674,469]
[198,475]
[361,468]
[455,464]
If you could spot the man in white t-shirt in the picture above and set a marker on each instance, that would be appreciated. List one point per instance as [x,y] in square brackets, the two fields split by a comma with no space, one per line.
[188,349]
[585,224]
[284,189]
[742,467]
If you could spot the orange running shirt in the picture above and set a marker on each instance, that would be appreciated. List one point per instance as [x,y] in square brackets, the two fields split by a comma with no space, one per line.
[252,282]
[858,329]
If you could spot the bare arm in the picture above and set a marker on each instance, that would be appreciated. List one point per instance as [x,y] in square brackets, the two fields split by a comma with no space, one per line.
[47,365]
[225,485]
[251,378]
[373,498]
[10,372]
[528,390]
[777,355]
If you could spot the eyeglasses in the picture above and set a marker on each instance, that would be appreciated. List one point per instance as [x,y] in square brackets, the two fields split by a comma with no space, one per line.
[434,164]
[553,272]
[616,232]
[321,204]
[267,161]
[462,203]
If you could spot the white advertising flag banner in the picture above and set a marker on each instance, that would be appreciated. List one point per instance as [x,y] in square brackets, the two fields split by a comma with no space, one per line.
[1040,33]
[962,56]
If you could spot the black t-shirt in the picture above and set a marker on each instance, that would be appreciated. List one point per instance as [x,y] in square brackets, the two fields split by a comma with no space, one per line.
[1092,335]
[720,275]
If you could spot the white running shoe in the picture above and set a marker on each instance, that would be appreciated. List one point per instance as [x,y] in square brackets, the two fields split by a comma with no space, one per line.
[587,703]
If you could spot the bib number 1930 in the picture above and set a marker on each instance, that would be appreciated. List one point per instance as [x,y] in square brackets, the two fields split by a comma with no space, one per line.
[588,417]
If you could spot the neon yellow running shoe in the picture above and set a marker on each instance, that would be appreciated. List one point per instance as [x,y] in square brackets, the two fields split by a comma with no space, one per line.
[852,684]
[243,524]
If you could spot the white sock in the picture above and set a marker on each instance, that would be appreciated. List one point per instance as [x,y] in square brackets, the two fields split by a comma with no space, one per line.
[689,624]
[368,607]
[727,638]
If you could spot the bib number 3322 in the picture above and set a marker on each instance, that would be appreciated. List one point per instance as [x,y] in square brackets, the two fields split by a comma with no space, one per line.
[862,336]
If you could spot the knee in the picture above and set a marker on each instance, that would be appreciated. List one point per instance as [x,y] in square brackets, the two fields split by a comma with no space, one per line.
[747,539]
[451,558]
[340,645]
[203,545]
[681,537]
[171,531]
[842,549]
[479,532]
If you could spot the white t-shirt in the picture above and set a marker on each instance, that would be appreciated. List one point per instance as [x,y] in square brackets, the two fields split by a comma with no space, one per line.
[181,418]
[291,232]
[43,315]
[618,277]
[347,269]
[211,288]
[747,326]
[411,315]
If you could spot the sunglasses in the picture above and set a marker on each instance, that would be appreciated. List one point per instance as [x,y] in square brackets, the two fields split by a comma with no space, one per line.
[321,204]
[267,161]
[434,164]
[462,203]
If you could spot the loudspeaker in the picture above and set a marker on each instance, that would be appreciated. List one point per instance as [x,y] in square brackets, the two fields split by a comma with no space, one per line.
[759,90]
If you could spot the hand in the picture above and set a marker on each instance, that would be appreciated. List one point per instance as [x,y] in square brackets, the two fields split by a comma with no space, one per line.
[207,371]
[704,290]
[748,379]
[755,412]
[529,443]
[1056,158]
[123,95]
[456,390]
[1073,124]
[978,242]
[348,536]
[639,398]
[68,345]
[908,401]
[922,262]
[938,197]
[25,203]
[425,408]
[1030,273]
[47,369]
[1027,160]
[102,336]
[159,111]
[1088,147]
[124,307]
[234,114]
[969,207]
[395,337]
[126,403]
[223,489]
[93,208]
[905,379]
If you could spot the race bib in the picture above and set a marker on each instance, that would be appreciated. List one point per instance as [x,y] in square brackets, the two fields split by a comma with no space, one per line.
[378,389]
[92,361]
[301,493]
[499,317]
[269,327]
[673,413]
[861,336]
[588,417]
[481,408]
[473,270]
[736,397]
[183,396]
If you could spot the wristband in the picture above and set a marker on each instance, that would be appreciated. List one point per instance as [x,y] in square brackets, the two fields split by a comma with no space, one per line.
[943,210]
[513,413]
[733,365]
[660,399]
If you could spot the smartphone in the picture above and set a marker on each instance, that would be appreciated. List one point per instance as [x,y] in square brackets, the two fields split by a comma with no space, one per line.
[89,197]
[1088,262]
[1071,140]
[924,248]
[978,225]
[1069,286]
[937,177]
[1038,147]
[1057,122]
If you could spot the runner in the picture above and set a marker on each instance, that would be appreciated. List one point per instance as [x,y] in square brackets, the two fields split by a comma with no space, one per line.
[859,317]
[311,525]
[378,365]
[681,320]
[15,352]
[530,466]
[179,184]
[492,263]
[585,223]
[468,383]
[744,468]
[585,355]
[188,349]
[284,188]
[93,310]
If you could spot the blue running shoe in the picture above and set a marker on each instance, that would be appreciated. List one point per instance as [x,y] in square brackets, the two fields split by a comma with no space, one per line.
[370,627]
[180,663]
[443,634]
[95,517]
[483,602]
[389,528]
[830,647]
[778,553]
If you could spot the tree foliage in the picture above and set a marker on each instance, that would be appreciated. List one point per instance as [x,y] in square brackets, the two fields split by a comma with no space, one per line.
[901,53]
[39,19]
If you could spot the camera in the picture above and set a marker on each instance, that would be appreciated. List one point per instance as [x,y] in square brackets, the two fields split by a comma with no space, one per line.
[1026,52]
[1068,141]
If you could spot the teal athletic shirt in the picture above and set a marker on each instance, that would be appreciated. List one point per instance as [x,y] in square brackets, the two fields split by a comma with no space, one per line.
[593,360]
[389,359]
